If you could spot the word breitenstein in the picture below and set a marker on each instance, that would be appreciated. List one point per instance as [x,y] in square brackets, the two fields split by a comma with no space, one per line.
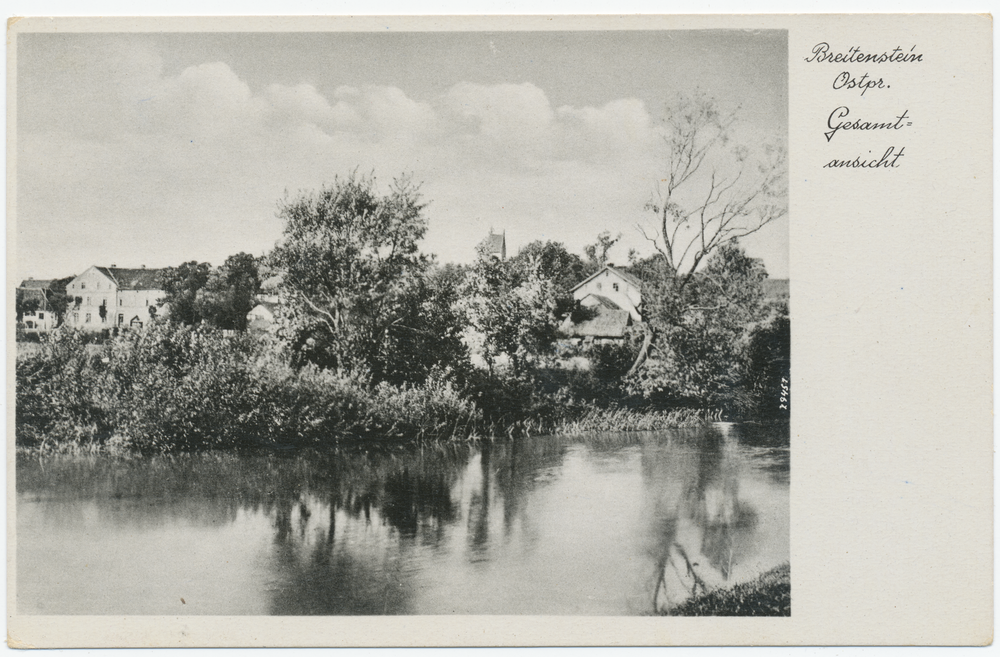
[821,53]
[838,119]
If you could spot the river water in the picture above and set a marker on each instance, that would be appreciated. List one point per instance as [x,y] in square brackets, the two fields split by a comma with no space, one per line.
[601,524]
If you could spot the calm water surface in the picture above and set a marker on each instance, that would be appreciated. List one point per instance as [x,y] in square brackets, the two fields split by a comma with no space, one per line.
[600,524]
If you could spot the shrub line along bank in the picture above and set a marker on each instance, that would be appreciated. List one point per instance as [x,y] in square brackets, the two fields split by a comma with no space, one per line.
[178,388]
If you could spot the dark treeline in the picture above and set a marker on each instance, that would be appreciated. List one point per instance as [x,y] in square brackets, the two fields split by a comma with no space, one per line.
[375,340]
[368,345]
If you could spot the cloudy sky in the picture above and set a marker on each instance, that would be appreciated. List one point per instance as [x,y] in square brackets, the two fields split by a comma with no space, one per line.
[156,149]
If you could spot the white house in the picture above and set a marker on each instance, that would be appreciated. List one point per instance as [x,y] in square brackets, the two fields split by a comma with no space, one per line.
[611,289]
[104,297]
[614,300]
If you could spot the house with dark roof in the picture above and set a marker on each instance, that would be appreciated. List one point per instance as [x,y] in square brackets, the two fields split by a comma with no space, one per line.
[106,297]
[37,291]
[610,301]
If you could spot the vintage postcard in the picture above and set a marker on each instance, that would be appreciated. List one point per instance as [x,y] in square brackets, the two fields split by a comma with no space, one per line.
[476,331]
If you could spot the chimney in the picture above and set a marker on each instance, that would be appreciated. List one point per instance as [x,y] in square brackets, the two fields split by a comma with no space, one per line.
[113,265]
[610,264]
[143,266]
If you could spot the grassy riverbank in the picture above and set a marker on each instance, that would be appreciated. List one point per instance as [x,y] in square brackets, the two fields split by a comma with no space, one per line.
[768,595]
[172,388]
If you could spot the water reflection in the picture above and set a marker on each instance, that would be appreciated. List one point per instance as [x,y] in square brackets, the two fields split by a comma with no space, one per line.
[602,524]
[704,530]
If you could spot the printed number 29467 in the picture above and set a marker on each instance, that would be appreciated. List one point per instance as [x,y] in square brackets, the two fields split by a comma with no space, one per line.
[784,394]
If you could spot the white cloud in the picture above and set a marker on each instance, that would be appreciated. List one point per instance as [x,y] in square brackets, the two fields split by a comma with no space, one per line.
[198,175]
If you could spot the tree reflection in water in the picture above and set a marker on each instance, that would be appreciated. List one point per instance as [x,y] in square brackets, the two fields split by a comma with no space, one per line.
[594,524]
[393,505]
[702,528]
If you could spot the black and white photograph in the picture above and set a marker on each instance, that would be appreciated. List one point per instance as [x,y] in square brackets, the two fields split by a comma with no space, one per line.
[456,331]
[403,323]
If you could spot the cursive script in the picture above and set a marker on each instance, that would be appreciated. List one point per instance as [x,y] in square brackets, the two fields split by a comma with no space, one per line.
[841,112]
[821,53]
[889,160]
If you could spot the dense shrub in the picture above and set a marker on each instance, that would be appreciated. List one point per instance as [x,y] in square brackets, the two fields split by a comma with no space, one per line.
[55,401]
[175,387]
[765,364]
[178,387]
[432,410]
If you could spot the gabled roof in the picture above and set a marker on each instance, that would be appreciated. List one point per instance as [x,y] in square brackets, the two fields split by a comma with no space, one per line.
[605,324]
[602,301]
[133,279]
[624,275]
[269,306]
[36,284]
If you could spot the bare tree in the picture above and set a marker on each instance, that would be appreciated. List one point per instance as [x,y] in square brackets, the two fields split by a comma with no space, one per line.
[714,191]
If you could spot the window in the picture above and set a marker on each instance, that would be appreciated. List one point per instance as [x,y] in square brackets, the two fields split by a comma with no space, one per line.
[41,315]
[83,286]
[87,321]
[121,302]
[615,285]
[147,302]
[598,287]
[29,324]
[76,318]
[121,319]
[88,301]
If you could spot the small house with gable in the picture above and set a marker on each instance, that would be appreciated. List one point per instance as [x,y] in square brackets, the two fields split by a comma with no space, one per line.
[610,301]
[41,317]
[611,287]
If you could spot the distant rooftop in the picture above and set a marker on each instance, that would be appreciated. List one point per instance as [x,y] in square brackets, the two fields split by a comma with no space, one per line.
[605,323]
[133,279]
[496,244]
[776,288]
[629,278]
[37,284]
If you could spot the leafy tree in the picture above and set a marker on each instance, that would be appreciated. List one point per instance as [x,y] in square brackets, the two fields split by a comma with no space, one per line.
[555,263]
[511,305]
[353,276]
[429,330]
[597,253]
[24,304]
[181,285]
[704,330]
[230,293]
[765,369]
[58,300]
